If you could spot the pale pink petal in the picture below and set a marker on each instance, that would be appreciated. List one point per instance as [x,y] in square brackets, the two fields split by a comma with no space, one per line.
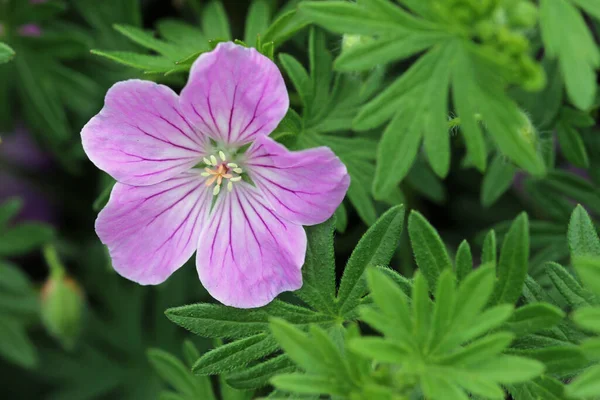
[235,94]
[247,254]
[304,187]
[141,137]
[151,231]
[31,30]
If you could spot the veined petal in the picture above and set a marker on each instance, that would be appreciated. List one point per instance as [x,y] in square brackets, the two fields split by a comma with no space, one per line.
[235,94]
[304,187]
[247,254]
[141,137]
[151,231]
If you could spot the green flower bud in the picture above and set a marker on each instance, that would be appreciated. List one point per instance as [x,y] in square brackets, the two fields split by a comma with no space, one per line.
[523,14]
[62,309]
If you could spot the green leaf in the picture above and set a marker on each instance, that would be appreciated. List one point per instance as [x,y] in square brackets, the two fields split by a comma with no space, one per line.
[299,76]
[147,40]
[310,384]
[513,264]
[260,374]
[489,249]
[9,209]
[497,180]
[559,360]
[364,56]
[140,61]
[577,52]
[473,294]
[379,349]
[177,375]
[571,145]
[187,38]
[575,187]
[392,301]
[318,272]
[375,248]
[6,53]
[586,385]
[588,318]
[15,346]
[422,112]
[342,17]
[429,249]
[508,126]
[214,21]
[211,320]
[509,369]
[464,260]
[445,298]
[298,347]
[479,350]
[24,238]
[534,317]
[567,286]
[284,27]
[588,269]
[235,355]
[257,20]
[583,238]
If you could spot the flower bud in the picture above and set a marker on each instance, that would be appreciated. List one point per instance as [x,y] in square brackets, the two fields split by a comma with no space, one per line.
[62,309]
[523,14]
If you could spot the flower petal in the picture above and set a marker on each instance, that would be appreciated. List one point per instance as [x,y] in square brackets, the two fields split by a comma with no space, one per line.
[151,231]
[141,136]
[304,187]
[247,254]
[235,94]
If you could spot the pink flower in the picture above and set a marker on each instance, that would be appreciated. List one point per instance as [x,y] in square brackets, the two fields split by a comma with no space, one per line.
[199,173]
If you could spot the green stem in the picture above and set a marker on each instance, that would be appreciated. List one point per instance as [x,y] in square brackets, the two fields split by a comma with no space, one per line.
[57,270]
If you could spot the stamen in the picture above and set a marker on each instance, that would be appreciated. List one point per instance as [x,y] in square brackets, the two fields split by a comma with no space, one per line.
[222,155]
[237,170]
[236,179]
[232,165]
[216,190]
[206,174]
[213,160]
[229,186]
[206,161]
[211,181]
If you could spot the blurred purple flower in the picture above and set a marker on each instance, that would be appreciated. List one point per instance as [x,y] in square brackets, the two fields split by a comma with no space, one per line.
[18,152]
[243,210]
[31,30]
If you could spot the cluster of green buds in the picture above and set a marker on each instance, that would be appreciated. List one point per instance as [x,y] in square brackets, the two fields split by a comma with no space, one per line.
[62,303]
[500,28]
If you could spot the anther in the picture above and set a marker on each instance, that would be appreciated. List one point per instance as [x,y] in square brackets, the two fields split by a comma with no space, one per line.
[213,159]
[222,155]
[216,190]
[207,161]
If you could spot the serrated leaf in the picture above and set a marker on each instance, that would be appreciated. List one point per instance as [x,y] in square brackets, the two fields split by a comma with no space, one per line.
[429,249]
[260,374]
[318,272]
[464,261]
[514,262]
[235,355]
[559,360]
[510,369]
[586,385]
[583,238]
[216,321]
[588,269]
[574,294]
[588,318]
[376,247]
[533,318]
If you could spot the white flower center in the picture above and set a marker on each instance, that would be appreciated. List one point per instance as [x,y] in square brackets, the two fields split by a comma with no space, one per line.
[218,170]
